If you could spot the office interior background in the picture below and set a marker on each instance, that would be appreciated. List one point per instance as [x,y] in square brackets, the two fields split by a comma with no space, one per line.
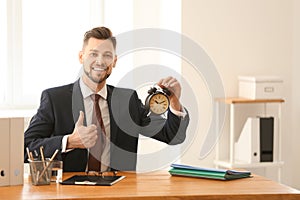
[40,41]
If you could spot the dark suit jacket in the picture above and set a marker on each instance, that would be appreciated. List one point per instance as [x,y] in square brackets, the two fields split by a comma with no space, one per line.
[59,111]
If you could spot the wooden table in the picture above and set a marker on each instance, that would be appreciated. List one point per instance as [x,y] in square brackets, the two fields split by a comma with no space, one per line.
[158,185]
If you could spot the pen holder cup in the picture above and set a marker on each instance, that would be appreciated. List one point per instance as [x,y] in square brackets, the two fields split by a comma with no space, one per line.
[40,172]
[57,171]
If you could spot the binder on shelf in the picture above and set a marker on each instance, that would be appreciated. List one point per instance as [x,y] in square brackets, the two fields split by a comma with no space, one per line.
[266,130]
[4,155]
[210,173]
[255,143]
[11,156]
[16,151]
[247,147]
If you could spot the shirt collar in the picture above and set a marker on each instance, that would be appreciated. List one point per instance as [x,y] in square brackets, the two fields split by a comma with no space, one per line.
[86,91]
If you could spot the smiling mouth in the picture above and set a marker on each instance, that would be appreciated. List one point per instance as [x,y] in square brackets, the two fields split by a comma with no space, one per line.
[98,69]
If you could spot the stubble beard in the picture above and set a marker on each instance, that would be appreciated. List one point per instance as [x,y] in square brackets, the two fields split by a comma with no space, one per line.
[97,81]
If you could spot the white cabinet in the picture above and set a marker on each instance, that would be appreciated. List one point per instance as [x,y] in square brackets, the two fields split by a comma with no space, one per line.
[239,110]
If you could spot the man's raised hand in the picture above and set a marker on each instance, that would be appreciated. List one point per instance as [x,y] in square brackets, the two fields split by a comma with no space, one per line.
[82,136]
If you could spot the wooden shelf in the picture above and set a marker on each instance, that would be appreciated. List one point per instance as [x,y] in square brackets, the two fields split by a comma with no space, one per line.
[242,165]
[236,100]
[234,129]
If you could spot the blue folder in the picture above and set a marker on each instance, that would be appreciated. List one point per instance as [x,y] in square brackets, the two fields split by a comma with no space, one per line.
[211,173]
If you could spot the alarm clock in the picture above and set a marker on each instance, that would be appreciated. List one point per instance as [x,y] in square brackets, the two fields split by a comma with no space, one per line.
[157,101]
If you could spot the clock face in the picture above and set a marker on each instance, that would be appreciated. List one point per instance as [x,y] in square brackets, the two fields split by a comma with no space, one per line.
[159,103]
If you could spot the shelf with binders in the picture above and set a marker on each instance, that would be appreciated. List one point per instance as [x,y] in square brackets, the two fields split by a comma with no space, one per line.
[239,112]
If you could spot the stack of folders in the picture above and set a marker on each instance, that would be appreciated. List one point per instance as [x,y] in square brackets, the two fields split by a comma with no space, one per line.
[210,173]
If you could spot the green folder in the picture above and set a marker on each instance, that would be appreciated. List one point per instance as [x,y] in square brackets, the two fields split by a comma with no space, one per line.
[211,173]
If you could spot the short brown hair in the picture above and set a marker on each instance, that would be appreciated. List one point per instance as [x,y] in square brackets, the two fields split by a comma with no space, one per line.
[101,33]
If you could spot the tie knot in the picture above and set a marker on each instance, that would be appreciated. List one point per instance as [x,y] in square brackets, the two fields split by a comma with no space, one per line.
[96,97]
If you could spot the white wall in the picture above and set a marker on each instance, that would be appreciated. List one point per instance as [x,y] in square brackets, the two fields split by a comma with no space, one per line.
[295,97]
[250,37]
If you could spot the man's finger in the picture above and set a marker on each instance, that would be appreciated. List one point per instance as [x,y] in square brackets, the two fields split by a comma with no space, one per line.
[80,119]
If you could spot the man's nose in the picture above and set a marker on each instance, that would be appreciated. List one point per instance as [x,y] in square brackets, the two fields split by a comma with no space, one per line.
[99,60]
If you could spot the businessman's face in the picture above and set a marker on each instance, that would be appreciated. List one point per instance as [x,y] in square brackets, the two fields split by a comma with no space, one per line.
[98,58]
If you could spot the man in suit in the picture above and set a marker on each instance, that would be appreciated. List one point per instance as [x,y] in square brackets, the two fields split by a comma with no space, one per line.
[64,118]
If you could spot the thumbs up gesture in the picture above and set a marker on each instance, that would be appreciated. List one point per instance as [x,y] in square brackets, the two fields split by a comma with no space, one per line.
[82,136]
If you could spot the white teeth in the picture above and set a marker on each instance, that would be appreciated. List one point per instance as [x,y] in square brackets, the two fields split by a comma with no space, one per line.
[98,69]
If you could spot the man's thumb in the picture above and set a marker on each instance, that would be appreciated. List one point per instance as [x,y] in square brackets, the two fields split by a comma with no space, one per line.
[80,119]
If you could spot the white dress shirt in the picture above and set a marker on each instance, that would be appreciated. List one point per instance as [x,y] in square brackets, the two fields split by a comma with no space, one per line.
[89,106]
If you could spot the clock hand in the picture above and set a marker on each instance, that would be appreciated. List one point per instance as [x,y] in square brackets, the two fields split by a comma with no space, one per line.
[156,101]
[161,102]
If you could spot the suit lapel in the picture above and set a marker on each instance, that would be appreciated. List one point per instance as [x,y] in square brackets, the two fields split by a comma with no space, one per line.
[114,119]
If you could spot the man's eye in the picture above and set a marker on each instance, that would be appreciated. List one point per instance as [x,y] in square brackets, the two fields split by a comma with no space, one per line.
[93,54]
[107,56]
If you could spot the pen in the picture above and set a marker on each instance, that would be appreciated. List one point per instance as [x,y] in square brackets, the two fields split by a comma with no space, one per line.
[50,161]
[30,158]
[28,154]
[43,158]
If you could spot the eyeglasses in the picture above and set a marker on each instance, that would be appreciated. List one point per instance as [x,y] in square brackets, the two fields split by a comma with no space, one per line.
[102,174]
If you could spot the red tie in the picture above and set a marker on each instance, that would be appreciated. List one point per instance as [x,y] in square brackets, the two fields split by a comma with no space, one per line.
[94,163]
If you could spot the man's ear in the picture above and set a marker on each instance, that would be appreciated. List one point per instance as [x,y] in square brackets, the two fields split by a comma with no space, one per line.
[80,57]
[115,61]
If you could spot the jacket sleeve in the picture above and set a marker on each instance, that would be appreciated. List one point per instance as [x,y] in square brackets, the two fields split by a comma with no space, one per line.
[170,129]
[40,130]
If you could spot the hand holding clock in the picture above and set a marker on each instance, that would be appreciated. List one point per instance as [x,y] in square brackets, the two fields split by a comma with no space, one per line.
[174,87]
